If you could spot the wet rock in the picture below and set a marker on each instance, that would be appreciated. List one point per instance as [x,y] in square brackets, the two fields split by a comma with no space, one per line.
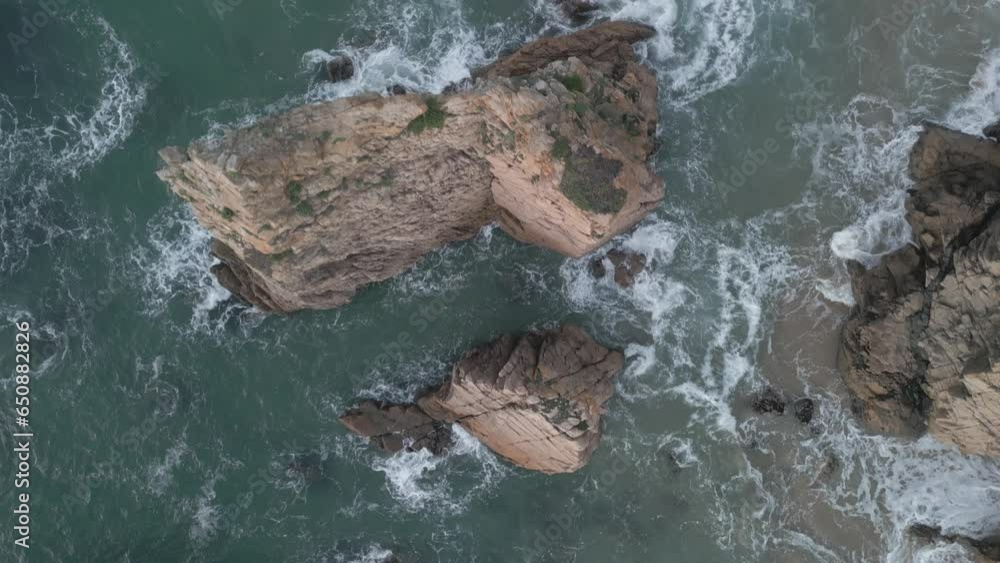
[339,69]
[314,204]
[830,468]
[993,131]
[920,349]
[770,401]
[987,548]
[805,409]
[397,90]
[626,265]
[536,400]
[579,11]
[394,428]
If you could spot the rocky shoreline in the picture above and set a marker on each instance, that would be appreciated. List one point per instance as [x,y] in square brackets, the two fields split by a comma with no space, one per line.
[552,143]
[921,350]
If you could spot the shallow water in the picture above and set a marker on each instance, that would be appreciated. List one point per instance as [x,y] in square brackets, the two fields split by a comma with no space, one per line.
[166,414]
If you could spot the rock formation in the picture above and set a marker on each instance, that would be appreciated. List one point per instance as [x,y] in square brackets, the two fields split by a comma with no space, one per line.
[922,347]
[987,550]
[626,266]
[536,400]
[311,205]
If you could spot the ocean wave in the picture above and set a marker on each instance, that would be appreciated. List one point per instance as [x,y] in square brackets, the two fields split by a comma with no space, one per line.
[42,151]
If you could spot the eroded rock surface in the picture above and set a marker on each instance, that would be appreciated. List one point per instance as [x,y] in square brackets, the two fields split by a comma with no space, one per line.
[311,205]
[536,400]
[394,428]
[922,347]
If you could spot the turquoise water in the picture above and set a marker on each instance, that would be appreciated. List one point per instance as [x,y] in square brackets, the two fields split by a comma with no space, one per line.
[167,416]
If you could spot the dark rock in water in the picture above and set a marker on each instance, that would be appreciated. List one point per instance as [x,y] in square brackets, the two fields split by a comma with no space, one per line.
[580,11]
[993,131]
[397,90]
[769,402]
[397,427]
[989,548]
[392,558]
[805,408]
[339,69]
[830,468]
[627,265]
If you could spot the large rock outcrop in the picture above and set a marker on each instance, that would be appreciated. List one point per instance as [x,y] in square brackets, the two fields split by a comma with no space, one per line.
[313,204]
[922,347]
[536,400]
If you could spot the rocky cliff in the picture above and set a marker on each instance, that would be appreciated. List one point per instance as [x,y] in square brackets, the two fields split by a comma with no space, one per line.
[536,400]
[922,347]
[311,205]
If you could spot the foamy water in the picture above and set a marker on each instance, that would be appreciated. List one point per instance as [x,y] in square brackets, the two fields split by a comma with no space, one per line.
[694,327]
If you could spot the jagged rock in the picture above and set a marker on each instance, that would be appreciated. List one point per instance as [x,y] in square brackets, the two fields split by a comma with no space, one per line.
[536,400]
[397,90]
[993,131]
[770,401]
[922,347]
[805,410]
[988,549]
[625,264]
[318,202]
[397,427]
[580,11]
[339,69]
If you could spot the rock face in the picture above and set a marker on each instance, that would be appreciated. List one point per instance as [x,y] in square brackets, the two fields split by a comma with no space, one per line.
[536,400]
[922,347]
[311,205]
[394,428]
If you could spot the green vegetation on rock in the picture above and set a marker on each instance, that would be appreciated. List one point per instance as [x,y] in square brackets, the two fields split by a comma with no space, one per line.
[294,192]
[573,83]
[588,182]
[433,118]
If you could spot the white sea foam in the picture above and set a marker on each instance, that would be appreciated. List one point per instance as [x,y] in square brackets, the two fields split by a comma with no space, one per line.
[707,49]
[421,46]
[421,481]
[41,151]
[981,106]
[159,476]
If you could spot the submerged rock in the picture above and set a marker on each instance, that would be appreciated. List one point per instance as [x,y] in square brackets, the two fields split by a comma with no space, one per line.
[625,264]
[536,400]
[770,401]
[311,205]
[805,409]
[922,346]
[580,11]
